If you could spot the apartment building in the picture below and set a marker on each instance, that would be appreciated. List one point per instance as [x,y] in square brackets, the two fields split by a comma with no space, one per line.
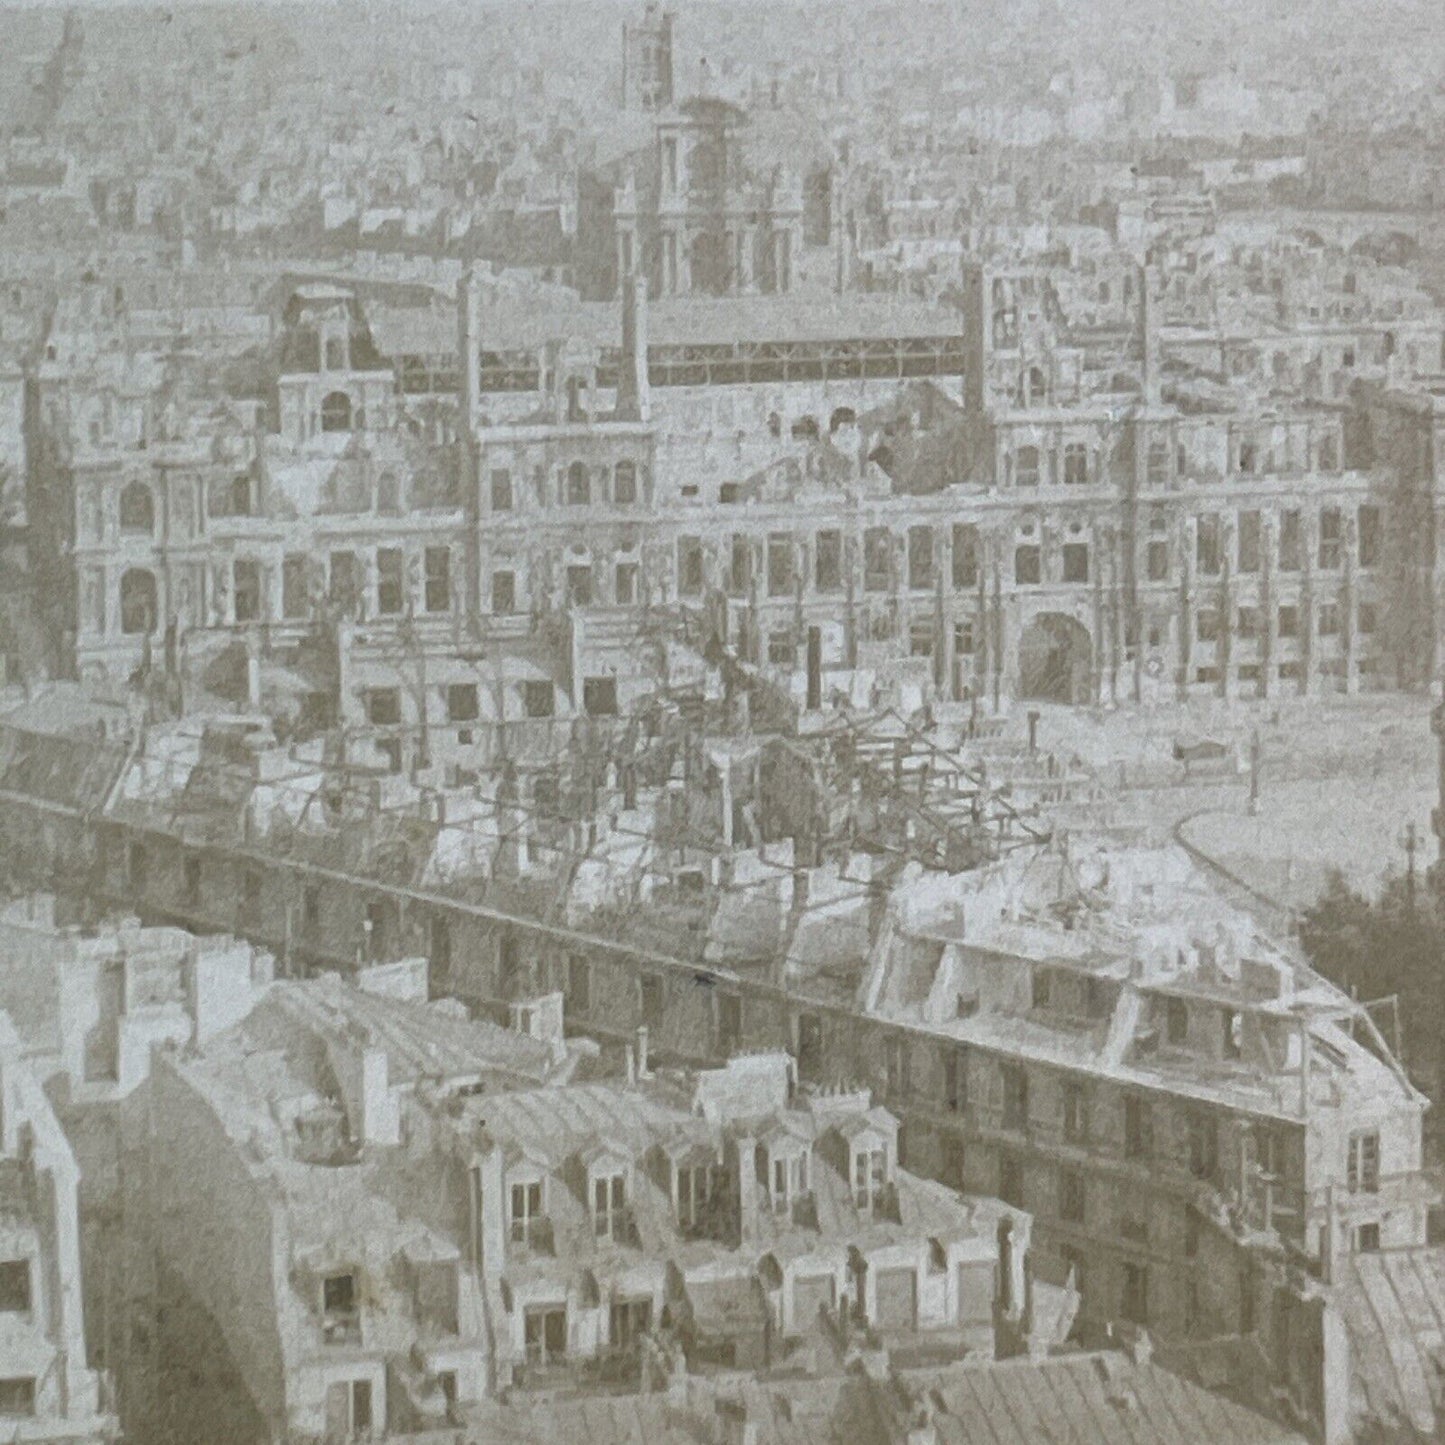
[417,1211]
[1173,1095]
[760,1227]
[284,1161]
[47,1391]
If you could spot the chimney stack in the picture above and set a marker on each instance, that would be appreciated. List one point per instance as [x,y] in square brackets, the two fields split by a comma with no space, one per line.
[634,401]
[469,349]
[1149,341]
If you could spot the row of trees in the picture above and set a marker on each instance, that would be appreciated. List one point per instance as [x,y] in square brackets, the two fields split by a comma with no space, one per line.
[1390,945]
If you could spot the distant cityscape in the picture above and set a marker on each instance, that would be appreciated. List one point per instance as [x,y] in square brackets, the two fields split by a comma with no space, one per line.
[722,724]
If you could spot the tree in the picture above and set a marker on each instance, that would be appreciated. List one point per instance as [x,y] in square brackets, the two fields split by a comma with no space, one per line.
[1393,944]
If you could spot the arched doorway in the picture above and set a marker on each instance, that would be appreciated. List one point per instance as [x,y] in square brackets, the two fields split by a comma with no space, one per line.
[1055,658]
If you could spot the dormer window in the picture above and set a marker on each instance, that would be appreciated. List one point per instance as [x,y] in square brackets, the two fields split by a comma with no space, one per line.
[340,1309]
[789,1180]
[695,1187]
[528,1215]
[870,1174]
[609,1205]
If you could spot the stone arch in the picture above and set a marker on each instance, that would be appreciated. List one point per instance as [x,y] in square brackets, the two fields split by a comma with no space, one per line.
[137,602]
[1056,657]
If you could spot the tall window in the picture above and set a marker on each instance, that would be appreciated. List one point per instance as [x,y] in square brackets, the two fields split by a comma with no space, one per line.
[1369,535]
[1331,538]
[624,584]
[694,1191]
[438,579]
[1076,465]
[877,559]
[870,1174]
[390,581]
[1249,535]
[137,601]
[1157,468]
[246,589]
[1362,1173]
[579,586]
[609,1204]
[1207,550]
[1076,1112]
[1026,467]
[1291,548]
[504,593]
[526,1212]
[1138,1129]
[137,509]
[689,567]
[624,484]
[965,556]
[780,565]
[501,490]
[828,561]
[920,558]
[579,491]
[295,592]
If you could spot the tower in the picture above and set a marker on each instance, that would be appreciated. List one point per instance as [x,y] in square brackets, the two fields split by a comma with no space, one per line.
[647,61]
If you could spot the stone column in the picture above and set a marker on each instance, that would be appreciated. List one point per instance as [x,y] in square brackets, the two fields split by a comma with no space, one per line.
[1268,605]
[1224,648]
[1309,642]
[1347,604]
[1184,652]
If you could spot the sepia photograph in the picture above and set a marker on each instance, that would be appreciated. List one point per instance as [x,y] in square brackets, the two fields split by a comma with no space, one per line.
[722,722]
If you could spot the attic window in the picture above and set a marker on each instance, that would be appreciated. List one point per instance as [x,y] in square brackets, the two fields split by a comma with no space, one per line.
[870,1174]
[609,1205]
[340,1311]
[789,1180]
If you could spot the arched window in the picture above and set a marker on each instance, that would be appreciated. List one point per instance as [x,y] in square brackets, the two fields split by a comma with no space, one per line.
[1038,385]
[1076,464]
[137,509]
[842,416]
[1028,467]
[335,353]
[579,491]
[137,602]
[336,412]
[388,493]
